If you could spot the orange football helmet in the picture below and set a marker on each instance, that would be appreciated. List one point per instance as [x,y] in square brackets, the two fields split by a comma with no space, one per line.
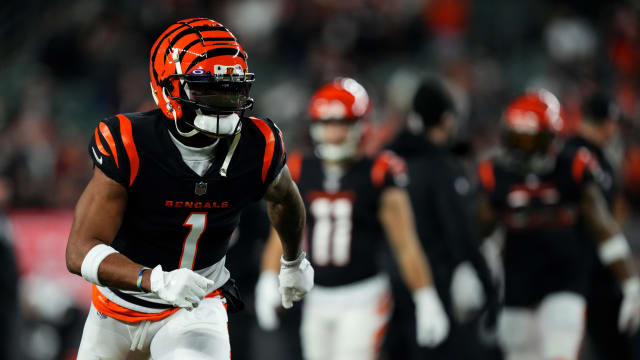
[198,63]
[531,123]
[341,100]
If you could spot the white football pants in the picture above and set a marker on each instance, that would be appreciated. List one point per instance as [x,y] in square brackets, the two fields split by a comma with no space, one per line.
[552,331]
[198,334]
[346,322]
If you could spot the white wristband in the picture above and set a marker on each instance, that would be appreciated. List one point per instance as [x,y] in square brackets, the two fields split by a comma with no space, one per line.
[613,249]
[92,261]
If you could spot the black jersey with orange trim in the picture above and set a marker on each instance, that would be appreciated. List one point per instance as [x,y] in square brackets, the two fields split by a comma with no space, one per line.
[539,212]
[343,233]
[136,151]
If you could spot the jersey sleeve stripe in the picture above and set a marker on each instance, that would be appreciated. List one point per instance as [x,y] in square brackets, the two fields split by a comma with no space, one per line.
[99,143]
[379,169]
[106,133]
[486,175]
[270,142]
[126,134]
[294,163]
[579,164]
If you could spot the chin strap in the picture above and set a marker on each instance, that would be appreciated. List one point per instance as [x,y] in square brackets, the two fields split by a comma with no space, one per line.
[227,159]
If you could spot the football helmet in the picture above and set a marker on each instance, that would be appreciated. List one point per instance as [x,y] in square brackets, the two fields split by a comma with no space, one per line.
[199,76]
[530,125]
[341,100]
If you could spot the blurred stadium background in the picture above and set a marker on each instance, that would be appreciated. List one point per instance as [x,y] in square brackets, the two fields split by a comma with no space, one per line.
[65,65]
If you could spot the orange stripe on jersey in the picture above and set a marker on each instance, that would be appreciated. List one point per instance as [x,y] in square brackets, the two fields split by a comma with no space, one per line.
[294,163]
[486,175]
[104,130]
[118,312]
[580,162]
[379,169]
[270,141]
[126,134]
[99,144]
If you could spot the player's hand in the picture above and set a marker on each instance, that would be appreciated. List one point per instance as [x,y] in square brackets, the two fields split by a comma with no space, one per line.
[432,323]
[629,316]
[181,288]
[296,279]
[467,293]
[267,300]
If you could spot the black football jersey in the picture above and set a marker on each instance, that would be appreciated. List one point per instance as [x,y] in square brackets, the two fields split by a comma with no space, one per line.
[343,234]
[543,250]
[174,217]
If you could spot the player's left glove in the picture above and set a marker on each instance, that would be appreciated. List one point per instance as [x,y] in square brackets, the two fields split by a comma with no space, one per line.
[629,316]
[296,279]
[467,293]
[432,323]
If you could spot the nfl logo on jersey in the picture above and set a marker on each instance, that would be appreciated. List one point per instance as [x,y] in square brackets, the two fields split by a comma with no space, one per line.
[201,188]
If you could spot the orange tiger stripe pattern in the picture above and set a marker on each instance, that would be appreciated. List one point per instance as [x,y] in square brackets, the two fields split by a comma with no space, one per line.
[106,133]
[126,134]
[270,143]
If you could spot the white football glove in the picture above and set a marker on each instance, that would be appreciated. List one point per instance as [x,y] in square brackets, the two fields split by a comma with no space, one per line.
[296,279]
[467,293]
[432,323]
[629,316]
[181,287]
[267,300]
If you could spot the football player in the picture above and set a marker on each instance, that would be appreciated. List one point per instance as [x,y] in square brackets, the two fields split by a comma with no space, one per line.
[352,202]
[152,227]
[598,127]
[537,194]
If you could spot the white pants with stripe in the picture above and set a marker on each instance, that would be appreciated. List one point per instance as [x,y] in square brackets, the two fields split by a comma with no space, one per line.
[198,334]
[552,331]
[346,322]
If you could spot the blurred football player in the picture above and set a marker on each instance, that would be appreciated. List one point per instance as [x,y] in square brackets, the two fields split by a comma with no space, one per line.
[598,127]
[352,202]
[152,227]
[537,194]
[442,197]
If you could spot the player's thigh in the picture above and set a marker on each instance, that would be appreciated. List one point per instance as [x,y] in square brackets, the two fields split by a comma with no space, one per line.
[198,334]
[517,332]
[360,330]
[317,331]
[561,319]
[105,338]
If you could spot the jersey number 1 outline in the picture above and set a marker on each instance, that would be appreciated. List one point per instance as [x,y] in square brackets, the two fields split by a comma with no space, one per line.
[331,238]
[197,222]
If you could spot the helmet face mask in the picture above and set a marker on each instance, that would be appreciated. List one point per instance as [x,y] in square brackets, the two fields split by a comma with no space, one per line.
[198,69]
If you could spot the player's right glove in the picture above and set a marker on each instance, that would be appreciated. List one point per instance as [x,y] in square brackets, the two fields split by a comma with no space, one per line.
[296,279]
[629,316]
[432,323]
[181,287]
[268,300]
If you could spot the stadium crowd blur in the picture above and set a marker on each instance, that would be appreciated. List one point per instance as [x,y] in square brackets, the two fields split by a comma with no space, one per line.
[65,65]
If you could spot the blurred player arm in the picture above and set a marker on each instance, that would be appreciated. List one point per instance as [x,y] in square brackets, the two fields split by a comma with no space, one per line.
[286,213]
[97,218]
[613,247]
[614,252]
[396,216]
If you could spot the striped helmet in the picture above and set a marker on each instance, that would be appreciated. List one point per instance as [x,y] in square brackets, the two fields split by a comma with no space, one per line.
[200,64]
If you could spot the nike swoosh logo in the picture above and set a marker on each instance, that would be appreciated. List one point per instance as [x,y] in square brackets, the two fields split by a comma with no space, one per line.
[98,158]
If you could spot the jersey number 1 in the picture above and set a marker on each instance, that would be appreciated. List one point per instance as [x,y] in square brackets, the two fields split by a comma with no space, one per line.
[331,238]
[197,222]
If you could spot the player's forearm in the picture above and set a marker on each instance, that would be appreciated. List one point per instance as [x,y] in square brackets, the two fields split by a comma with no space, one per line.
[414,268]
[287,216]
[271,253]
